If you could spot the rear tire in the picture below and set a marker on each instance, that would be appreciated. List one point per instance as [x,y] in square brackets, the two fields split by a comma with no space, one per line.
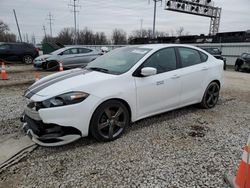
[109,121]
[211,96]
[27,59]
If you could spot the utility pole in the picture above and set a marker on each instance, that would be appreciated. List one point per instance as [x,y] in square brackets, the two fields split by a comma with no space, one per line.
[44,29]
[50,18]
[18,26]
[75,11]
[155,3]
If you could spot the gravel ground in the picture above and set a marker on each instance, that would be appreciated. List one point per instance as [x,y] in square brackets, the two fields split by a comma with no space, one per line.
[188,147]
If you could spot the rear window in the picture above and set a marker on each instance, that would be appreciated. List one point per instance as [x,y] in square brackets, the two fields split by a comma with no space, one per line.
[29,46]
[189,56]
[244,55]
[84,50]
[204,57]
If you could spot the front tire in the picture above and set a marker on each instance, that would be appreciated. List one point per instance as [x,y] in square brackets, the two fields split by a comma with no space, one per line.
[211,96]
[237,67]
[52,66]
[109,121]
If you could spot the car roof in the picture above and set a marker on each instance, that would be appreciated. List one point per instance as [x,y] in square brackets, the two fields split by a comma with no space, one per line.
[75,46]
[159,46]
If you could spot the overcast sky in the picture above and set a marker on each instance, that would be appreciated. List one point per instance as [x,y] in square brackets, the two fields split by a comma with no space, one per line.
[105,15]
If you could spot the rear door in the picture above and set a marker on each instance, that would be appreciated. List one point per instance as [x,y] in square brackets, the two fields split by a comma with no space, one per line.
[194,74]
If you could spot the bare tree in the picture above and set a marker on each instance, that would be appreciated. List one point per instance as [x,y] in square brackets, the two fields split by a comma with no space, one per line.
[100,38]
[49,39]
[3,27]
[5,36]
[119,36]
[147,33]
[65,36]
[86,36]
[180,31]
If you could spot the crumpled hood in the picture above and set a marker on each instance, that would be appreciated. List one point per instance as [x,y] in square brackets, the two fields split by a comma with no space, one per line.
[63,82]
[43,57]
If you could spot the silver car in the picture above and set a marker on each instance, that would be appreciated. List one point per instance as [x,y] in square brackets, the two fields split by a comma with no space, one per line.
[70,57]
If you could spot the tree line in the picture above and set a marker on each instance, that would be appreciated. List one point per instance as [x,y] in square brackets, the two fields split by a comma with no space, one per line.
[5,35]
[86,36]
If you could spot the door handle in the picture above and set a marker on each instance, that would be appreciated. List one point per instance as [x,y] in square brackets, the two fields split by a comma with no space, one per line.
[160,82]
[175,76]
[204,68]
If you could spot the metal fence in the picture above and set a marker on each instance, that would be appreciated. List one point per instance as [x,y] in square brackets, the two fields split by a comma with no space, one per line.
[229,50]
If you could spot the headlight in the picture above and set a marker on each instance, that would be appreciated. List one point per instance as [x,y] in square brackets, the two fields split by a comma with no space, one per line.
[65,99]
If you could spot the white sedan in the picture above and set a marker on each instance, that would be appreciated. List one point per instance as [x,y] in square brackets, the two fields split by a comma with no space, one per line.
[122,86]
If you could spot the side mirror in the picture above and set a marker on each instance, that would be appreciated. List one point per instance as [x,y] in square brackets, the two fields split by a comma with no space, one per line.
[148,71]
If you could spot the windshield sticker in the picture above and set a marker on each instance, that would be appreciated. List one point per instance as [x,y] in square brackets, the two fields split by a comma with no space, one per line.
[139,51]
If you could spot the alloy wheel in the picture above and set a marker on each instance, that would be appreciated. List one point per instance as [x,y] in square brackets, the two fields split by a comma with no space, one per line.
[27,59]
[212,95]
[111,122]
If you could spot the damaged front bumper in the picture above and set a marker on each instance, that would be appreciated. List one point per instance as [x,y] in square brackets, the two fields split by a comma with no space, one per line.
[47,134]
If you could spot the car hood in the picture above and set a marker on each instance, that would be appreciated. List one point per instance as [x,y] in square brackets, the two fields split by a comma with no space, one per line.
[63,82]
[41,57]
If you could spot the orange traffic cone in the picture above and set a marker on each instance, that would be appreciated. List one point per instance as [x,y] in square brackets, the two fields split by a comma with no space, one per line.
[242,179]
[60,66]
[37,76]
[3,72]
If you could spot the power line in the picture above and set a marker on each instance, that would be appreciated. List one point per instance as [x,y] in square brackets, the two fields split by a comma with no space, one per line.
[51,19]
[75,11]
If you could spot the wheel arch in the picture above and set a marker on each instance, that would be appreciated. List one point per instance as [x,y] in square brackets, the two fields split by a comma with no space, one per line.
[216,81]
[110,99]
[122,101]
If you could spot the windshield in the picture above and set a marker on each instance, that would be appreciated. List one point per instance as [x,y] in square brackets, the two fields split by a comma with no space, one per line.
[119,60]
[57,51]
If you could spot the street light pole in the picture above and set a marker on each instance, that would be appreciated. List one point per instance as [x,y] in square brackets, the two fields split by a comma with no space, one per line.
[155,3]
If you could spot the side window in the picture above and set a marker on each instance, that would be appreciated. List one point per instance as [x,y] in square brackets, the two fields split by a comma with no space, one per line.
[204,57]
[189,57]
[83,50]
[163,60]
[70,51]
[20,46]
[4,47]
[244,55]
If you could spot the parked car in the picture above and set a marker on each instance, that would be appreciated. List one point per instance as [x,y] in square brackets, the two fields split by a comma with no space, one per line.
[122,86]
[18,51]
[71,57]
[216,52]
[242,62]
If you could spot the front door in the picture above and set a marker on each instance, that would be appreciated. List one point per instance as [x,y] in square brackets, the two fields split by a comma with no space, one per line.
[160,92]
